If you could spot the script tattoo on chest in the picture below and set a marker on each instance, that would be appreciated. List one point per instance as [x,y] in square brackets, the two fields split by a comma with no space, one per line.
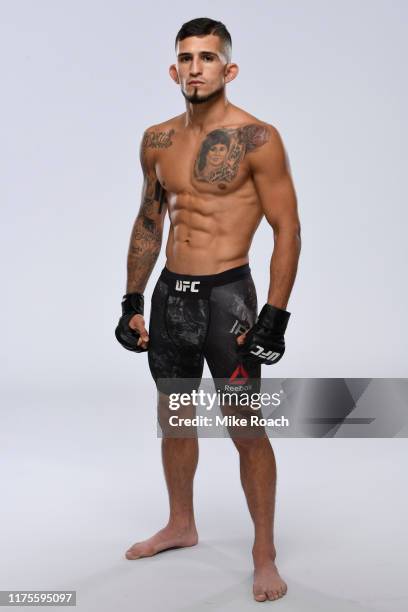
[223,150]
[157,140]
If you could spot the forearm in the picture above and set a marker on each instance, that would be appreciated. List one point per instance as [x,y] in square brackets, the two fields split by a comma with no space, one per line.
[144,249]
[283,266]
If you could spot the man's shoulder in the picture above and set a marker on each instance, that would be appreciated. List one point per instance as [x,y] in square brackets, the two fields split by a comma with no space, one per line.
[243,117]
[165,126]
[256,129]
[157,137]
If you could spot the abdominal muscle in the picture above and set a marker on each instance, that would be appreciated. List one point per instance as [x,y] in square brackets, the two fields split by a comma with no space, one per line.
[208,239]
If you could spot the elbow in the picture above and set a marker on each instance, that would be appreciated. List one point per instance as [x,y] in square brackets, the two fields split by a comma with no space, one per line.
[290,235]
[297,230]
[299,234]
[288,229]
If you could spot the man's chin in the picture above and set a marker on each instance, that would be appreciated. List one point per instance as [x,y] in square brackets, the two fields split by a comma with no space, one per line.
[197,98]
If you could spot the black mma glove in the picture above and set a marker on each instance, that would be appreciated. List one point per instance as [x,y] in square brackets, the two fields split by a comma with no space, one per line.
[132,303]
[264,342]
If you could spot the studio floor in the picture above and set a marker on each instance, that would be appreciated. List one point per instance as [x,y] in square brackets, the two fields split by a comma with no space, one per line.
[82,481]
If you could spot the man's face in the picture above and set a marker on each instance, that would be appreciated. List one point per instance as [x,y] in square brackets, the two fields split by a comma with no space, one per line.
[217,154]
[201,68]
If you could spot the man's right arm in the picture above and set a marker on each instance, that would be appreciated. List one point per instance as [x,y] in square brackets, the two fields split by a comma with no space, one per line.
[146,237]
[144,249]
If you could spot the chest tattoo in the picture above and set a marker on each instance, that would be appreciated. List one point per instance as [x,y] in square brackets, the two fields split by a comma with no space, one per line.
[223,150]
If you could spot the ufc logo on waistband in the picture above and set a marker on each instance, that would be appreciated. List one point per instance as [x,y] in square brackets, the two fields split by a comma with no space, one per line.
[268,355]
[187,285]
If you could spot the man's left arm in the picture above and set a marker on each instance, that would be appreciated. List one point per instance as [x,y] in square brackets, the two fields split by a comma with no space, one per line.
[264,342]
[273,182]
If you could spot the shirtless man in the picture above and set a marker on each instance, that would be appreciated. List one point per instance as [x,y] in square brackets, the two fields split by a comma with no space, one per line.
[216,170]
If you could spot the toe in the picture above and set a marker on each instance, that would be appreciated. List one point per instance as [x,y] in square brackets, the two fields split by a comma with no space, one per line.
[132,553]
[129,555]
[260,597]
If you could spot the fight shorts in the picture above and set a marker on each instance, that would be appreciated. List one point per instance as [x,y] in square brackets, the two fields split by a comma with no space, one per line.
[194,318]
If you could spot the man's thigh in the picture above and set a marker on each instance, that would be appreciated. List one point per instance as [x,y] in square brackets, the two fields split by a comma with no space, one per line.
[233,310]
[177,330]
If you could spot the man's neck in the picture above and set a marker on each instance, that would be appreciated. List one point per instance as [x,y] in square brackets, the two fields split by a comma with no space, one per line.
[199,116]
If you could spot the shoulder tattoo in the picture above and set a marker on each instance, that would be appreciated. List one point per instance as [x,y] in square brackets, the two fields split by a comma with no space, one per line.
[157,140]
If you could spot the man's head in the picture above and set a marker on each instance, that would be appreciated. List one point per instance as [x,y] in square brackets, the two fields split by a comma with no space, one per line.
[203,49]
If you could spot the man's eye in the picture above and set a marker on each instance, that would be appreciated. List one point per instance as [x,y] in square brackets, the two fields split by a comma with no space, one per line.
[208,57]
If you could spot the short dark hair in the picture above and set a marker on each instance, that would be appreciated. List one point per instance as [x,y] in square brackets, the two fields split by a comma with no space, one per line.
[203,26]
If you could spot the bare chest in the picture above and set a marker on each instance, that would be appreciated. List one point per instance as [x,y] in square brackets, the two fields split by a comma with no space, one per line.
[215,163]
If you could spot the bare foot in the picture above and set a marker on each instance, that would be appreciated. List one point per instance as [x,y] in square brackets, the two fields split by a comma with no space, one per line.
[169,537]
[267,582]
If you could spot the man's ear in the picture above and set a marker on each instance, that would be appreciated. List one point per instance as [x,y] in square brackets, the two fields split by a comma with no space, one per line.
[230,72]
[174,74]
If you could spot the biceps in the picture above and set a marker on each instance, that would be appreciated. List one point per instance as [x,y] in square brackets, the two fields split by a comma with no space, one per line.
[278,200]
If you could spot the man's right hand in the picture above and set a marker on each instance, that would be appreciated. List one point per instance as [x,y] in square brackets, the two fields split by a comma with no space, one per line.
[131,331]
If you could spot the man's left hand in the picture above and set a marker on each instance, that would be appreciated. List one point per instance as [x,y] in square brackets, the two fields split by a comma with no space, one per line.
[264,342]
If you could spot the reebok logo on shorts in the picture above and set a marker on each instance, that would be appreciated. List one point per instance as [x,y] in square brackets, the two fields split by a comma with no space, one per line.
[269,355]
[241,372]
[185,285]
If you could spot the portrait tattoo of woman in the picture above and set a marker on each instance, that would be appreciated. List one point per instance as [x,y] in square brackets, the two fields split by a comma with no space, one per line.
[222,151]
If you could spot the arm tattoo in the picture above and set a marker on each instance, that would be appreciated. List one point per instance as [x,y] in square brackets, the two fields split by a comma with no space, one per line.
[146,238]
[159,195]
[223,150]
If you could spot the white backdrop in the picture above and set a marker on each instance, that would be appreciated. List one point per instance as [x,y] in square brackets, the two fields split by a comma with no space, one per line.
[81,80]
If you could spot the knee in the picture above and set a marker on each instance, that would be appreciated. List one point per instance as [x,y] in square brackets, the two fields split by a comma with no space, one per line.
[247,446]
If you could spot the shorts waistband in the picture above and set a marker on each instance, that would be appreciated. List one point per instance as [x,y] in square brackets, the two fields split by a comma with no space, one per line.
[202,284]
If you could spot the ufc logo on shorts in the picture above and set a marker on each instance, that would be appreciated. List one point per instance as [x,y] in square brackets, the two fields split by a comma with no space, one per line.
[187,286]
[268,355]
[237,329]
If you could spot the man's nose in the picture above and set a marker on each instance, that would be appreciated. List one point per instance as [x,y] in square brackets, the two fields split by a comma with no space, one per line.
[195,67]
